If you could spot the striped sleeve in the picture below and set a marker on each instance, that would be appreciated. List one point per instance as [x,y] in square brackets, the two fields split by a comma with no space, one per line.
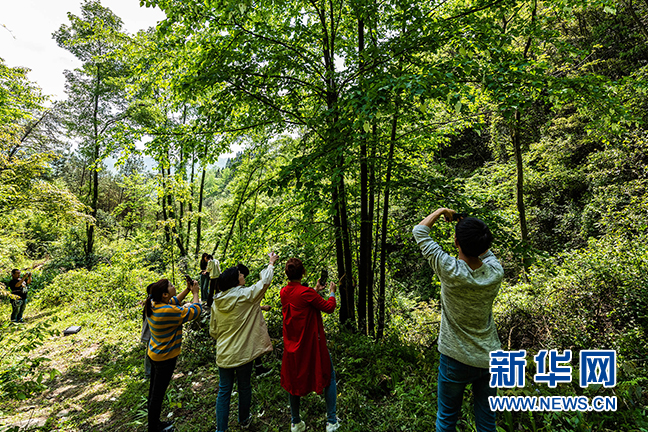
[166,328]
[191,312]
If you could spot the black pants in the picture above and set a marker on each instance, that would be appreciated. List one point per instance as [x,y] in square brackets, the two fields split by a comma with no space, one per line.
[161,373]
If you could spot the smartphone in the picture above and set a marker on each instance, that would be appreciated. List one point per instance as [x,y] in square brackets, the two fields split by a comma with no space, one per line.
[459,216]
[323,278]
[189,279]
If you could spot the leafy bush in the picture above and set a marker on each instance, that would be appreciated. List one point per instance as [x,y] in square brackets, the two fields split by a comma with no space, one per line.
[591,298]
[119,285]
[22,374]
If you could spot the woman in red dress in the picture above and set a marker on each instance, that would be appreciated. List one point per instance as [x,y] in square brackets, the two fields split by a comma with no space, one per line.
[306,364]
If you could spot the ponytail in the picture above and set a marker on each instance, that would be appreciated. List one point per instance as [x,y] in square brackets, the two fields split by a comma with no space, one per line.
[155,291]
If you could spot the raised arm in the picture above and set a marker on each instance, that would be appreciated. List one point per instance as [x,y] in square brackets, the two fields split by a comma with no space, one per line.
[429,248]
[316,300]
[258,290]
[268,272]
[447,213]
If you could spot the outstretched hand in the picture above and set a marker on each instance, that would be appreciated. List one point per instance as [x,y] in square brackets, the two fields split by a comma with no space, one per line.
[447,213]
[319,287]
[194,287]
[273,257]
[332,288]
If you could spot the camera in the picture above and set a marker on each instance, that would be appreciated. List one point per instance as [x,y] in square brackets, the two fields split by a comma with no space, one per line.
[189,280]
[323,278]
[458,216]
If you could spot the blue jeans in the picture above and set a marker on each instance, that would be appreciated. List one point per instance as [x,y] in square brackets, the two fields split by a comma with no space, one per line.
[204,287]
[225,384]
[17,309]
[330,397]
[453,378]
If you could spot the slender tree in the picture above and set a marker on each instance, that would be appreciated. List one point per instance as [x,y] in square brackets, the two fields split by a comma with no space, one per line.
[96,103]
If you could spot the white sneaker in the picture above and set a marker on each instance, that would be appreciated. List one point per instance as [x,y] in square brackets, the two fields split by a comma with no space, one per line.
[332,427]
[299,427]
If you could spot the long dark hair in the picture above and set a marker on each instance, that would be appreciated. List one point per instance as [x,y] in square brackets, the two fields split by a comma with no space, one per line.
[155,291]
[227,279]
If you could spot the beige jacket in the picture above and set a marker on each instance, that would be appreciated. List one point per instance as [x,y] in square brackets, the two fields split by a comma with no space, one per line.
[213,268]
[237,323]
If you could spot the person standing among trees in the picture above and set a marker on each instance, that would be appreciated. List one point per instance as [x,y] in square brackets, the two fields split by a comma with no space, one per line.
[165,315]
[204,276]
[213,270]
[19,289]
[306,365]
[241,336]
[467,334]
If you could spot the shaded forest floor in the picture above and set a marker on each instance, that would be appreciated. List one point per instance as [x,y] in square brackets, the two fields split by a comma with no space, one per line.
[100,384]
[385,386]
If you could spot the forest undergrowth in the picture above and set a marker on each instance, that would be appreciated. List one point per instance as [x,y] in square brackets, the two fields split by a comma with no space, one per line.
[93,380]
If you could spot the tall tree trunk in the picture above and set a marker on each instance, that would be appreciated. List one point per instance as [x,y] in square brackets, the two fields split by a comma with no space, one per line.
[370,271]
[167,232]
[181,206]
[365,220]
[383,240]
[348,256]
[191,193]
[171,213]
[90,233]
[200,203]
[339,255]
[342,243]
[182,167]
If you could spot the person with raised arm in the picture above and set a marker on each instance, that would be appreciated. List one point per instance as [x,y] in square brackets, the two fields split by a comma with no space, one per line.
[467,335]
[306,365]
[165,316]
[241,335]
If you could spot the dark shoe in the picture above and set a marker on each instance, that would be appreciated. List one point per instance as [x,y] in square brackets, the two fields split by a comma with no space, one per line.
[166,427]
[246,424]
[261,371]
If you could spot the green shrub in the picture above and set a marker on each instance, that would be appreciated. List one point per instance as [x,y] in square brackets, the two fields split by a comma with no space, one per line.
[119,285]
[21,373]
[592,298]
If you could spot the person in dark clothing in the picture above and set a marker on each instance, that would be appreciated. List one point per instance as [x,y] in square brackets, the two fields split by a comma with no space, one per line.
[204,276]
[19,289]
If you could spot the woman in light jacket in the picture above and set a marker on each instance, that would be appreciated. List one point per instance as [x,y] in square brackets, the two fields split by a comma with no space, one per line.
[241,336]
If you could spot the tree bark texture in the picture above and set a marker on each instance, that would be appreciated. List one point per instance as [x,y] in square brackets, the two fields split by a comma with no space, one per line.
[383,240]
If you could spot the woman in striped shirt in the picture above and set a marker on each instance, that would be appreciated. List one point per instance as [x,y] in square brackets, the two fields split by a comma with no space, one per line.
[165,315]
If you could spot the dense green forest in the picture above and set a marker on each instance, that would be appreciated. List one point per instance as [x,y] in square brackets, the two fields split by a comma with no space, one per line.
[350,121]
